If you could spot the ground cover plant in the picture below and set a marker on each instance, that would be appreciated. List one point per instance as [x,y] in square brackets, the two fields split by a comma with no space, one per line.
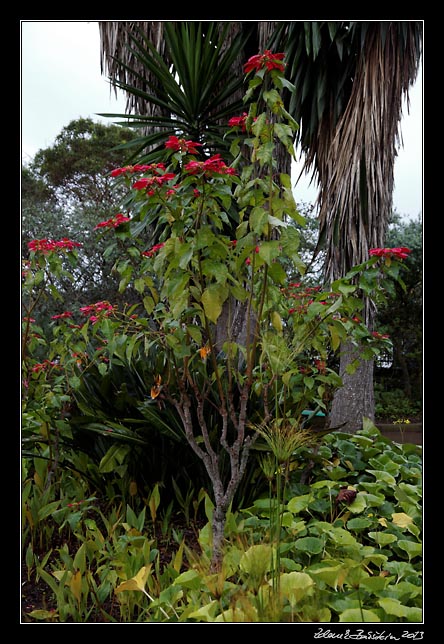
[227,352]
[349,549]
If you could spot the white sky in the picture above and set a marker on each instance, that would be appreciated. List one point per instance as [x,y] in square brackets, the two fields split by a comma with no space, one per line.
[61,82]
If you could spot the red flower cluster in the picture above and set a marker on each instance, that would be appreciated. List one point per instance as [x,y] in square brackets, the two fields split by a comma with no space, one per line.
[113,222]
[213,165]
[238,121]
[150,183]
[93,310]
[181,145]
[380,336]
[43,366]
[152,251]
[66,314]
[397,253]
[48,245]
[130,169]
[267,61]
[303,294]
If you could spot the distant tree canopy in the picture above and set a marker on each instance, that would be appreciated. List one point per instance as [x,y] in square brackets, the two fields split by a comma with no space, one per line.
[402,317]
[66,191]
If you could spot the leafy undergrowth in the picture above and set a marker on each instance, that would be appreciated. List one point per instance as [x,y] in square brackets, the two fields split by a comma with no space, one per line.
[349,550]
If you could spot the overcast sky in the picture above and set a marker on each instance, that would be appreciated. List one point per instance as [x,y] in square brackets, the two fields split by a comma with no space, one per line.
[61,82]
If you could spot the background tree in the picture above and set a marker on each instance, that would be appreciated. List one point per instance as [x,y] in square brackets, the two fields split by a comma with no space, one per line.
[350,78]
[66,191]
[398,379]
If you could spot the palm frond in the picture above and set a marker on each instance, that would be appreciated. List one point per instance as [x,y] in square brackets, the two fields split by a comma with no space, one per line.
[357,168]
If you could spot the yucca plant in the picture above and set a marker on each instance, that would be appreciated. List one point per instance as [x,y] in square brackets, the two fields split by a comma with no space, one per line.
[192,86]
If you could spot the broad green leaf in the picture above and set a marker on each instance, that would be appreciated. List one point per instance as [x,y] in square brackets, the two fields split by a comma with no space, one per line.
[412,548]
[75,382]
[277,273]
[257,560]
[75,585]
[79,562]
[360,523]
[331,574]
[276,321]
[310,545]
[237,615]
[139,284]
[358,615]
[382,475]
[335,337]
[258,219]
[274,221]
[268,251]
[212,299]
[359,504]
[206,613]
[382,538]
[185,255]
[342,537]
[43,614]
[374,584]
[296,586]
[114,456]
[137,582]
[401,519]
[48,509]
[299,503]
[264,154]
[189,579]
[103,368]
[343,287]
[393,606]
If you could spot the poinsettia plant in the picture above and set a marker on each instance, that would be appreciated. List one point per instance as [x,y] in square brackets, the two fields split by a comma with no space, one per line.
[238,346]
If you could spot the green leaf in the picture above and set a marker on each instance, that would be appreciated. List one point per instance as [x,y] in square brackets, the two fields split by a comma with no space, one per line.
[412,548]
[75,382]
[212,299]
[296,586]
[47,510]
[393,606]
[358,615]
[310,545]
[299,503]
[382,538]
[113,457]
[276,321]
[43,614]
[268,251]
[331,573]
[258,219]
[381,475]
[206,613]
[189,579]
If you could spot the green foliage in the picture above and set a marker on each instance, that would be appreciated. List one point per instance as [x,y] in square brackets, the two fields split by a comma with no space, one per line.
[66,190]
[354,557]
[402,319]
[174,365]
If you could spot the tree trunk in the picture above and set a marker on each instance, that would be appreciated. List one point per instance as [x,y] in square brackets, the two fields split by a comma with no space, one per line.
[355,399]
[218,529]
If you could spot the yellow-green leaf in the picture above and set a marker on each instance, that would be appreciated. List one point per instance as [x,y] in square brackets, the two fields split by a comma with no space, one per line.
[276,321]
[137,582]
[212,299]
[75,585]
[401,519]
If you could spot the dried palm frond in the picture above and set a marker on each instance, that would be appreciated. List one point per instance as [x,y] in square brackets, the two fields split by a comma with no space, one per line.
[356,169]
[118,61]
